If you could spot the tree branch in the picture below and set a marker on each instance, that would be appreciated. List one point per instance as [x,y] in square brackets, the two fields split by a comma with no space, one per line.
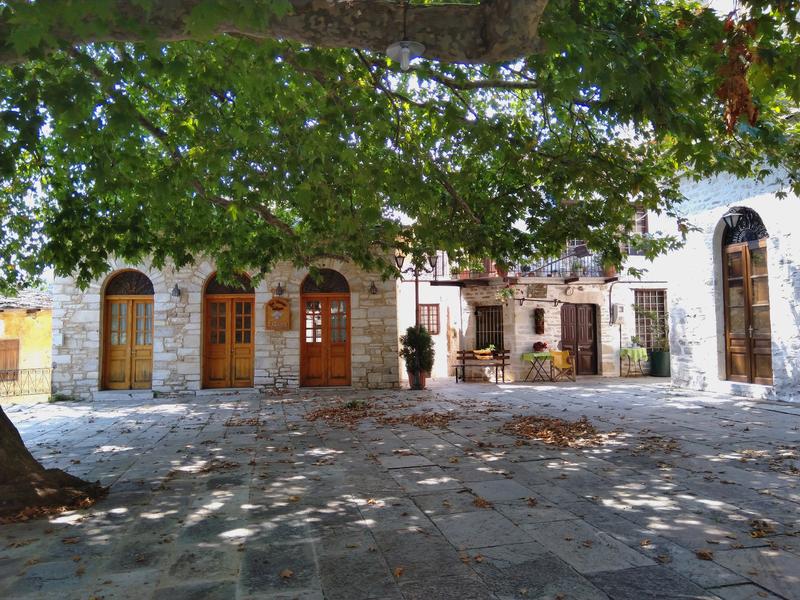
[489,32]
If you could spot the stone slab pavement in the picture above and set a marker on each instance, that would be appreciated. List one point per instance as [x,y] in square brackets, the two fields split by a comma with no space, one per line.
[240,496]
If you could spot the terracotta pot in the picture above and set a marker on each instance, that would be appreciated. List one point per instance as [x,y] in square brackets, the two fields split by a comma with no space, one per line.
[610,271]
[416,381]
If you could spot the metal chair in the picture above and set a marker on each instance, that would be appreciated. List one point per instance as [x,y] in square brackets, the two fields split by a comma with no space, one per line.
[561,366]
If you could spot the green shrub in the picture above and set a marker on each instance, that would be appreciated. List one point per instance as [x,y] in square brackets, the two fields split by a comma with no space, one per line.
[417,350]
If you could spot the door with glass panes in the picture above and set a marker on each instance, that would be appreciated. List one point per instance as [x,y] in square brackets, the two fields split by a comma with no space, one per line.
[228,344]
[325,340]
[748,339]
[128,357]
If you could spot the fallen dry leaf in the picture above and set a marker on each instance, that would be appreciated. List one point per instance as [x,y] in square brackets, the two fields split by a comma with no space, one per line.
[532,501]
[482,502]
[294,498]
[398,572]
[287,574]
[704,554]
[554,431]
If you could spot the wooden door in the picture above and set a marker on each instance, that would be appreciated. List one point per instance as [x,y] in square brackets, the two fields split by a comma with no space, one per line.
[228,343]
[579,336]
[748,339]
[128,343]
[325,340]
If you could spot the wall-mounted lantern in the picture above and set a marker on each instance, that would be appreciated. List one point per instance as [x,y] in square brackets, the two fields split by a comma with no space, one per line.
[176,291]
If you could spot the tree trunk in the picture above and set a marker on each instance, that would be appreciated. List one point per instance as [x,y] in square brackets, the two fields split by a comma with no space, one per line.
[28,489]
[490,32]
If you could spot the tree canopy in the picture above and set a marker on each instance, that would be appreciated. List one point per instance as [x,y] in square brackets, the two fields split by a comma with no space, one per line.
[171,129]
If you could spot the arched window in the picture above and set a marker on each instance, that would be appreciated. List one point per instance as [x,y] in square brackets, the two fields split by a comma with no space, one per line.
[748,337]
[129,283]
[128,332]
[326,281]
[241,286]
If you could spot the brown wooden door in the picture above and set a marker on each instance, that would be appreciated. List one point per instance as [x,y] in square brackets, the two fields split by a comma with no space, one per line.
[228,344]
[579,336]
[128,343]
[748,340]
[325,340]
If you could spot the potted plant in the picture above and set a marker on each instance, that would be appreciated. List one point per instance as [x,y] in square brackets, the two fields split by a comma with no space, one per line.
[609,269]
[416,347]
[485,353]
[577,268]
[658,327]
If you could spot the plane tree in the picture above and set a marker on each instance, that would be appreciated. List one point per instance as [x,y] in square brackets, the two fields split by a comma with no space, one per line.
[255,131]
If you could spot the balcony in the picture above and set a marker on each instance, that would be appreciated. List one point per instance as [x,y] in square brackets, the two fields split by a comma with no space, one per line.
[570,266]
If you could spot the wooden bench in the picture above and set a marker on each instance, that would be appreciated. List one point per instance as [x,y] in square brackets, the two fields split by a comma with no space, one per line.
[467,358]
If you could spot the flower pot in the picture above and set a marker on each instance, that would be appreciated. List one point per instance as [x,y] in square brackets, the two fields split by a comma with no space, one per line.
[416,381]
[610,271]
[659,363]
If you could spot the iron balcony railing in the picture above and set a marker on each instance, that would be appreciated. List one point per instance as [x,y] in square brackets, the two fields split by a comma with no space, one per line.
[570,266]
[25,382]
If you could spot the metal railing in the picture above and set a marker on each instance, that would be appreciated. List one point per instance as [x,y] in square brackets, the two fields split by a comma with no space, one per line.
[25,382]
[571,266]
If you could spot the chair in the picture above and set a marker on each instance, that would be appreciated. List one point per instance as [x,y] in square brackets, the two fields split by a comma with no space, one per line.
[561,366]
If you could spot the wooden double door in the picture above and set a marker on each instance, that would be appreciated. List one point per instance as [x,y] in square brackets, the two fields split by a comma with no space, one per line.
[228,344]
[748,338]
[579,336]
[128,347]
[325,340]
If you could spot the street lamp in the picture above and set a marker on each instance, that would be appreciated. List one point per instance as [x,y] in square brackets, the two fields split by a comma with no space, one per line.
[415,269]
[405,50]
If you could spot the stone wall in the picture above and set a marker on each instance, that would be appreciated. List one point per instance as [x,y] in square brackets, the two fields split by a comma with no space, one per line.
[697,336]
[518,325]
[177,330]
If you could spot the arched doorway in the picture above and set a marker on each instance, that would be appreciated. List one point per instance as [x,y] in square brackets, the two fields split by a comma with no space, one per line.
[128,332]
[228,333]
[748,339]
[325,330]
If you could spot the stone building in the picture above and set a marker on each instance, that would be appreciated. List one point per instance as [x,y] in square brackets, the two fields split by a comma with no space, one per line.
[735,290]
[25,327]
[584,310]
[182,330]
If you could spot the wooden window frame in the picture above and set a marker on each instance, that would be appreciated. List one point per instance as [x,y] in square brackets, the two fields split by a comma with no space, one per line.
[641,226]
[652,300]
[429,316]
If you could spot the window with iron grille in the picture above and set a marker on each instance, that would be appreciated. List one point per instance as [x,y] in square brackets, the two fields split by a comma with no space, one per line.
[649,304]
[489,327]
[429,317]
[9,359]
[640,227]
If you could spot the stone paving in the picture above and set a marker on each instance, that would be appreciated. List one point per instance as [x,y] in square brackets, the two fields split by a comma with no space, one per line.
[240,496]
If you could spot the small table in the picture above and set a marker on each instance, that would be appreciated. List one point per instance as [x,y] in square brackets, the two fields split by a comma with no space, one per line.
[637,354]
[538,360]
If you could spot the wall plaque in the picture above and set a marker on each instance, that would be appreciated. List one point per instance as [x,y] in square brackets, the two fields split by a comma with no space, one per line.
[279,314]
[536,290]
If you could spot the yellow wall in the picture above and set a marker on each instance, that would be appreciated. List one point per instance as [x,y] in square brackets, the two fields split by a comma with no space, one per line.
[33,330]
